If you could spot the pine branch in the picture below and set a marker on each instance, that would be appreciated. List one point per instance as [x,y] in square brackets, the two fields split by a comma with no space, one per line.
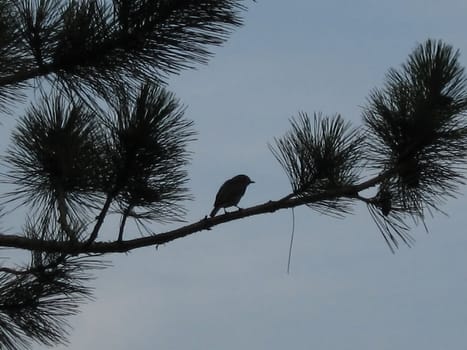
[67,162]
[349,192]
[148,140]
[320,154]
[35,301]
[417,126]
[56,160]
[91,46]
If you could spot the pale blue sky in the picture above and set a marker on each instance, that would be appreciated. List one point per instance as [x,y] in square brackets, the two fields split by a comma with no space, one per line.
[227,288]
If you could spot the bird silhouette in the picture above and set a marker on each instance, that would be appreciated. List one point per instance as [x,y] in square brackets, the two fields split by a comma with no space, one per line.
[230,193]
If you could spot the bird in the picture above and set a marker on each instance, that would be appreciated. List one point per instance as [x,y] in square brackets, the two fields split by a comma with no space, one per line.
[230,193]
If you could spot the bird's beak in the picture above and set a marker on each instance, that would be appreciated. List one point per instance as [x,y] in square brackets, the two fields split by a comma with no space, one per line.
[252,182]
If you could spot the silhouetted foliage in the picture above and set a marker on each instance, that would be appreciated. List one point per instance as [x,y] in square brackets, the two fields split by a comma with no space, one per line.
[36,302]
[320,155]
[417,131]
[106,137]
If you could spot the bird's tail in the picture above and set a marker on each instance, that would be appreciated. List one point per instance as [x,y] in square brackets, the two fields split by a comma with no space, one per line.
[214,211]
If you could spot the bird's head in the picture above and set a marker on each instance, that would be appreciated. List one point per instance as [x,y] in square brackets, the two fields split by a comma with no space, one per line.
[243,179]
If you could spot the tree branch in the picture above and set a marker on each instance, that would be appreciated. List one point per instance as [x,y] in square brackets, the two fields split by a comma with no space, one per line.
[289,201]
[100,219]
[123,222]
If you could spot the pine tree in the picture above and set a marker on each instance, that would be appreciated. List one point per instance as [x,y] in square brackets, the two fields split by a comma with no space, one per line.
[105,136]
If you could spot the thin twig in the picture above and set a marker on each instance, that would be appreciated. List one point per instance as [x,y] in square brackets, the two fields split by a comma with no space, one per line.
[63,214]
[291,240]
[123,222]
[100,219]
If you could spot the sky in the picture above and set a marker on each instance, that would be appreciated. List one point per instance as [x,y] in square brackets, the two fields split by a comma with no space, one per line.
[228,288]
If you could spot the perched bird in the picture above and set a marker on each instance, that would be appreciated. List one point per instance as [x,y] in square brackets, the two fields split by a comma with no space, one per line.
[230,193]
